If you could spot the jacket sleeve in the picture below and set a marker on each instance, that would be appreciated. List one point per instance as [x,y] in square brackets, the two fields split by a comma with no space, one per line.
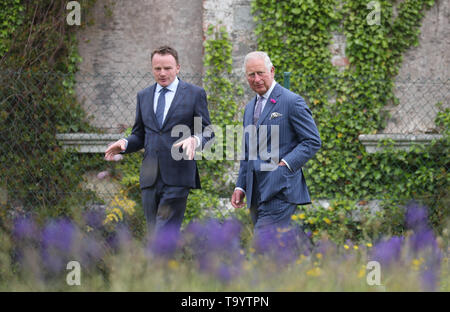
[201,110]
[243,166]
[308,137]
[137,138]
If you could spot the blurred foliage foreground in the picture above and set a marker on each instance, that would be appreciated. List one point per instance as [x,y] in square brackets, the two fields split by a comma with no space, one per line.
[215,255]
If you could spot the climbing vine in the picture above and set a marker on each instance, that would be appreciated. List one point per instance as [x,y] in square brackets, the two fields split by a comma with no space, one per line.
[346,103]
[37,73]
[223,107]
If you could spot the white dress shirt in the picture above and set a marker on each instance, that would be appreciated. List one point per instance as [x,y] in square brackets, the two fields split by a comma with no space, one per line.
[169,96]
[169,99]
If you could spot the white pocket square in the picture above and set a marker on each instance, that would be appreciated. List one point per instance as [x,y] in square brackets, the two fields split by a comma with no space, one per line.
[275,115]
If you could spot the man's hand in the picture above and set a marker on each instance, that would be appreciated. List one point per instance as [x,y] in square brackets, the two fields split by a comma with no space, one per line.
[281,163]
[114,149]
[237,199]
[188,145]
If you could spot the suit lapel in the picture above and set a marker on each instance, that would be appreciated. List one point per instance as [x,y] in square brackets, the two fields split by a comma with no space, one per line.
[179,95]
[270,105]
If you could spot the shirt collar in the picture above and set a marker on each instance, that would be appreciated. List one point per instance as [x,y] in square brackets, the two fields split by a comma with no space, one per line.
[172,87]
[266,95]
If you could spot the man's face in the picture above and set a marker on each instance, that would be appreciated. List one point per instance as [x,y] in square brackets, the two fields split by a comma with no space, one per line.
[165,69]
[258,77]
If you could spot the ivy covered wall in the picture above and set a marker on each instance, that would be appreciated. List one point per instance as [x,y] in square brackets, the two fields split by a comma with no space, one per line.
[347,103]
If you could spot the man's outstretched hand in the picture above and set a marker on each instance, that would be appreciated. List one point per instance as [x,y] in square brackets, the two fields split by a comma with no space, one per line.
[114,149]
[237,199]
[188,145]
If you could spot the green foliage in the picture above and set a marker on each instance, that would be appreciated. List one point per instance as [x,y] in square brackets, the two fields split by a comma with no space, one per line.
[348,103]
[38,101]
[11,17]
[223,107]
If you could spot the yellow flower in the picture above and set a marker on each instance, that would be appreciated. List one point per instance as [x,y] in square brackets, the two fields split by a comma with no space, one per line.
[339,135]
[302,216]
[369,245]
[316,271]
[362,271]
[252,250]
[355,247]
[319,255]
[294,217]
[417,263]
[346,246]
[300,259]
[327,221]
[173,265]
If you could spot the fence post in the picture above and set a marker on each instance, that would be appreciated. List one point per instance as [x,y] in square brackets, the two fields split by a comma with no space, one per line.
[287,80]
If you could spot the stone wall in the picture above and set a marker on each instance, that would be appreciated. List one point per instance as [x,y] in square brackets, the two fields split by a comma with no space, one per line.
[424,78]
[116,53]
[116,49]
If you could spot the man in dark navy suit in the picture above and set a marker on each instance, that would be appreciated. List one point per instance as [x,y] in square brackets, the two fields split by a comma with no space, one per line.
[279,120]
[164,111]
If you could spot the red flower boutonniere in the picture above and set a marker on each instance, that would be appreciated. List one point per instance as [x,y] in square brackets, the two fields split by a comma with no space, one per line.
[273,101]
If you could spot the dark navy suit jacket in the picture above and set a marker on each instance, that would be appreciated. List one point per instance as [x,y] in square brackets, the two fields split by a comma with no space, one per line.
[298,139]
[189,102]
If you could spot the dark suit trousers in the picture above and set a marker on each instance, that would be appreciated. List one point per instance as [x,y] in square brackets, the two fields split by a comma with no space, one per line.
[164,205]
[273,215]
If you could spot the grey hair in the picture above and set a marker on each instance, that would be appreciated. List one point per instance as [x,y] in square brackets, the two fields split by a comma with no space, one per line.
[258,55]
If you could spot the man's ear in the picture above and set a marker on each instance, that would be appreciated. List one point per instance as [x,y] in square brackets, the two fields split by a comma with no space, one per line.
[178,68]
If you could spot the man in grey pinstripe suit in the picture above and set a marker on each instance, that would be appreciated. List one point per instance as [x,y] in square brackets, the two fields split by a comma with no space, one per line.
[273,186]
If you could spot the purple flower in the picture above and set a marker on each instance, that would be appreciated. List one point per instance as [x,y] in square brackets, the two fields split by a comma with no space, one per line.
[91,251]
[386,252]
[429,279]
[57,244]
[215,246]
[165,242]
[25,229]
[94,219]
[59,234]
[416,217]
[282,244]
[423,239]
[224,273]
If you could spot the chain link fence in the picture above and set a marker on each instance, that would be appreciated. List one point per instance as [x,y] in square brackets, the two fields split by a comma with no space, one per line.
[56,127]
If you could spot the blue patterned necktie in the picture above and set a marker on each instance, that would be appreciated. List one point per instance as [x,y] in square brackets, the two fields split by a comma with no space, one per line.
[257,111]
[161,105]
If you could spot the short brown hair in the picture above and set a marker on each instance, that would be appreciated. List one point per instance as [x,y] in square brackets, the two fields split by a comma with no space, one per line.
[165,50]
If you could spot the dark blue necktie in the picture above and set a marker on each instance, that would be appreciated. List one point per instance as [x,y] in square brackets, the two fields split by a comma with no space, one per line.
[161,105]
